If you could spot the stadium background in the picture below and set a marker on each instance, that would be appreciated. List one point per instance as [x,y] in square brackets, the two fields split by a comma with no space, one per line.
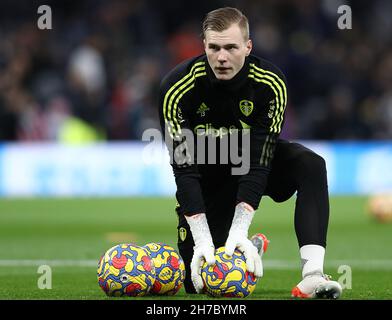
[75,177]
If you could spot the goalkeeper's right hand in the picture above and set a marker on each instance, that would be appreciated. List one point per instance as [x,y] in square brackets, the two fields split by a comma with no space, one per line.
[203,250]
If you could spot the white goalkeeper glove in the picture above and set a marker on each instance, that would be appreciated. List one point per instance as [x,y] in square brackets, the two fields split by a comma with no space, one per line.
[203,250]
[238,238]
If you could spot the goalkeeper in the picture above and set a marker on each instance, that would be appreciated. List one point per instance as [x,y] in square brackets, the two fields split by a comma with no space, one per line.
[215,95]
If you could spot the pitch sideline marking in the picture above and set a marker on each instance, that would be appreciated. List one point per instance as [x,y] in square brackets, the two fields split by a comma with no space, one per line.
[268,264]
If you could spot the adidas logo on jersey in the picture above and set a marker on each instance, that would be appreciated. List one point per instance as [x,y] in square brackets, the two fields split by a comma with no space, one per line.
[202,110]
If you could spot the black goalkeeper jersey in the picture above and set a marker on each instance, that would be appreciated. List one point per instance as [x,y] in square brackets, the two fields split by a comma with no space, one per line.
[192,98]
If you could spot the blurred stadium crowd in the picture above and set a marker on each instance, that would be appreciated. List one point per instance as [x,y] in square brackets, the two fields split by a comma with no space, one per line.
[95,75]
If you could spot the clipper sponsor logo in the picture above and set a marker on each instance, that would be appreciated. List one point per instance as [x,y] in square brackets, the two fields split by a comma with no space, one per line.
[208,129]
[188,148]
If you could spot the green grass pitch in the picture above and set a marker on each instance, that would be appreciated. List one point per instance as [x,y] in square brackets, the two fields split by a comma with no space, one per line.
[71,234]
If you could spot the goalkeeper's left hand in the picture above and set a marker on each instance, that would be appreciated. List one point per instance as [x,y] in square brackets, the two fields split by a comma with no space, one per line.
[238,238]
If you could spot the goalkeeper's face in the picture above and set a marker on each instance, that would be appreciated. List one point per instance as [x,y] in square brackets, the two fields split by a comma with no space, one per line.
[226,51]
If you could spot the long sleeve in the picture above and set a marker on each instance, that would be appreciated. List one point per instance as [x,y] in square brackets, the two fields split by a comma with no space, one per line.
[179,140]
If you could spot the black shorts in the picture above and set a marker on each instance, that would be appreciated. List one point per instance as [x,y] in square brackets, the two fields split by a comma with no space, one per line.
[220,194]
